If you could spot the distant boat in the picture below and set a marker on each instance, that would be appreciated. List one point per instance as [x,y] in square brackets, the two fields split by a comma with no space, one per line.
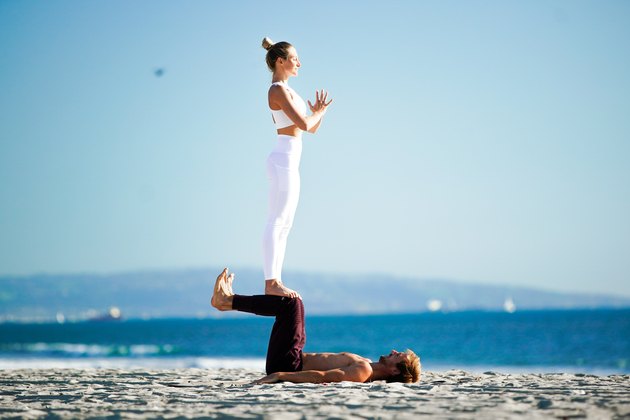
[509,305]
[434,305]
[113,314]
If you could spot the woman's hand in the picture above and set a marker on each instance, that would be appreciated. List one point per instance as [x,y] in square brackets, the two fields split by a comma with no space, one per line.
[320,102]
[269,379]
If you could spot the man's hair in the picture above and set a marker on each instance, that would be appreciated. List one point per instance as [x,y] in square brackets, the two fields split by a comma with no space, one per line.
[409,371]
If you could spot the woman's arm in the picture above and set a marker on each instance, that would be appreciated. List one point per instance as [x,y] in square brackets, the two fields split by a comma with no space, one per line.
[279,97]
[316,126]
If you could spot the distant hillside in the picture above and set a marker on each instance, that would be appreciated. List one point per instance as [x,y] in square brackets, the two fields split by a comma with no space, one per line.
[186,293]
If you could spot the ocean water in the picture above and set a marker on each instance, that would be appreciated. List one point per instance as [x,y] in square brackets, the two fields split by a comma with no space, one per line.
[588,341]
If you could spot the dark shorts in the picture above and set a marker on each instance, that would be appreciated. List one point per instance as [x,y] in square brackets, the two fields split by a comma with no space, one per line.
[288,336]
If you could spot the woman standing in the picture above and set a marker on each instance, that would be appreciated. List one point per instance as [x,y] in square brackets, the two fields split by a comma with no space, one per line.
[289,115]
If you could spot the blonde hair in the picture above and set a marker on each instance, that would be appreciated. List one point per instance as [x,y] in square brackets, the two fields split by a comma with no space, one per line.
[274,51]
[410,371]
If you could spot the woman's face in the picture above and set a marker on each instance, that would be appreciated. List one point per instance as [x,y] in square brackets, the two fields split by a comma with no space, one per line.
[291,64]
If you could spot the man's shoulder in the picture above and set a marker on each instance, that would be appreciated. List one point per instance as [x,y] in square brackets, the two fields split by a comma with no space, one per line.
[359,371]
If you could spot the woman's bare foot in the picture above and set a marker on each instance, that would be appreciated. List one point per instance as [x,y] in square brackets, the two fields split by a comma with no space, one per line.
[222,296]
[276,288]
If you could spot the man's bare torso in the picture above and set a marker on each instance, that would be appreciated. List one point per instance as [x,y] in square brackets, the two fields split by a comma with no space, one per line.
[328,361]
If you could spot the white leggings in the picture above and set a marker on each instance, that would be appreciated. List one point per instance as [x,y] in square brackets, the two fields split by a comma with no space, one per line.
[284,178]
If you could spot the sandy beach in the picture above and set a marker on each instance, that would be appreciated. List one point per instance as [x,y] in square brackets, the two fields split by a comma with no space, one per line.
[228,393]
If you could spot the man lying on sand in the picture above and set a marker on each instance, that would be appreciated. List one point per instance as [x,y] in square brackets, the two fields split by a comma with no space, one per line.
[285,359]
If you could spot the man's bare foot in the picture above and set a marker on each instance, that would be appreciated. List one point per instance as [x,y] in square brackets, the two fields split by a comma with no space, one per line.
[222,296]
[230,280]
[276,288]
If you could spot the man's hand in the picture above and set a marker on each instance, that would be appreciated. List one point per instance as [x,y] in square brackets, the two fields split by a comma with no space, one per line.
[269,379]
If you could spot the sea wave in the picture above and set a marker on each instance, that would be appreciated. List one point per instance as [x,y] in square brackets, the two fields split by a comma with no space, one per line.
[87,350]
[7,363]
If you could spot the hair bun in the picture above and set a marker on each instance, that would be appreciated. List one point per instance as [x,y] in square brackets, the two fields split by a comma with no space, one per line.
[267,43]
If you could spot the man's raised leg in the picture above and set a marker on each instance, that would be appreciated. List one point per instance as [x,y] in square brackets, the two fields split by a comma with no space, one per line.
[288,335]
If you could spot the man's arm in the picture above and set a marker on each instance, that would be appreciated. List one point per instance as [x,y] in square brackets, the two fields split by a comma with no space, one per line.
[359,372]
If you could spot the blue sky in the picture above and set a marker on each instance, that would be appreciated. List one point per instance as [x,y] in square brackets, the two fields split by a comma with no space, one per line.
[481,141]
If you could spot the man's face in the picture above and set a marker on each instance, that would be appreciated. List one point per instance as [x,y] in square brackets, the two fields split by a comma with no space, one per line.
[393,358]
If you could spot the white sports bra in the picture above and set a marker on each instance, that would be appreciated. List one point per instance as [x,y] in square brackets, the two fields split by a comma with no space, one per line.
[279,117]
